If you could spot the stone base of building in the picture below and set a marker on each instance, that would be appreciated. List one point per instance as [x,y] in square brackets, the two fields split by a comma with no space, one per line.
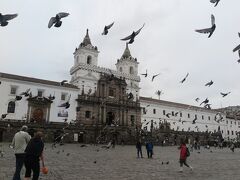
[73,133]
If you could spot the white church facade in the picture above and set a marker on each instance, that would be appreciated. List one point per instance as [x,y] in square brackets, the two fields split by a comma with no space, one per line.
[40,106]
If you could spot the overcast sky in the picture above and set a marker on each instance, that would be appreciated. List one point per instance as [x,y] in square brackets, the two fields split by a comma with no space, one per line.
[167,44]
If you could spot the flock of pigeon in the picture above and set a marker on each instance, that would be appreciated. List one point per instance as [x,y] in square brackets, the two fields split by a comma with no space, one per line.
[56,21]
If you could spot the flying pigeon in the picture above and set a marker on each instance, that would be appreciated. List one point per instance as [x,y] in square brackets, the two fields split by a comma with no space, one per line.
[194,121]
[184,79]
[176,113]
[155,76]
[209,83]
[225,94]
[26,93]
[66,104]
[205,101]
[130,96]
[209,30]
[106,28]
[215,1]
[168,115]
[4,116]
[63,82]
[197,99]
[238,47]
[145,75]
[207,106]
[5,18]
[133,35]
[159,93]
[51,97]
[57,19]
[18,98]
[237,60]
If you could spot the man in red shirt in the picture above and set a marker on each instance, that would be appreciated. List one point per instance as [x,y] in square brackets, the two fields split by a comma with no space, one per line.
[184,153]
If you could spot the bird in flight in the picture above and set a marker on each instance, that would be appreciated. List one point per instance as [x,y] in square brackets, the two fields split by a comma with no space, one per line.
[106,28]
[194,121]
[133,35]
[205,101]
[215,1]
[26,93]
[159,93]
[208,30]
[66,104]
[197,99]
[63,82]
[238,47]
[209,83]
[168,115]
[207,106]
[225,94]
[5,18]
[184,79]
[4,116]
[145,75]
[155,76]
[56,21]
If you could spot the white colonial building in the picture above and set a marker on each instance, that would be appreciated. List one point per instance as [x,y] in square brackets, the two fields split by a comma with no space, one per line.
[183,117]
[85,72]
[43,100]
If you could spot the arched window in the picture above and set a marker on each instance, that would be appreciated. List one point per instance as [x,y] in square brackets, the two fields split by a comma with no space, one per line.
[89,60]
[11,107]
[120,69]
[131,70]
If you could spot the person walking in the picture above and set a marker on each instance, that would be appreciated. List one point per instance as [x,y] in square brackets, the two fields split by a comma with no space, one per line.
[149,147]
[34,152]
[19,143]
[184,153]
[139,148]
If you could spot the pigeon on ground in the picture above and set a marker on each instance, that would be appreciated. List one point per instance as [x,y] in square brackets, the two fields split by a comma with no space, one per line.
[133,35]
[209,83]
[67,154]
[165,162]
[145,75]
[155,76]
[106,28]
[176,113]
[215,1]
[225,94]
[56,21]
[5,18]
[209,30]
[184,79]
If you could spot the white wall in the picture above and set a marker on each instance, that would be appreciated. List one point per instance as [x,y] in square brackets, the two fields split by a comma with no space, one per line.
[22,105]
[211,124]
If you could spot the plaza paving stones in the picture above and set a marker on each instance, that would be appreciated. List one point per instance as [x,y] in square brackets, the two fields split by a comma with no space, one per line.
[87,163]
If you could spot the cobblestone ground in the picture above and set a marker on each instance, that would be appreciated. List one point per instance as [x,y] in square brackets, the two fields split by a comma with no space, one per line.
[73,162]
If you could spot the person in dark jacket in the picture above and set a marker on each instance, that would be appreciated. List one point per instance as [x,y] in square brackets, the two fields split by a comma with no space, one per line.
[139,148]
[149,147]
[33,152]
[183,156]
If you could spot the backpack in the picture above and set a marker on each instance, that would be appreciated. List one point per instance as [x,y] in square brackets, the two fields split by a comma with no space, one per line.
[187,152]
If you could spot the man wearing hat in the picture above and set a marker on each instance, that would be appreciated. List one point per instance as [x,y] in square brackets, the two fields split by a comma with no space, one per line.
[19,143]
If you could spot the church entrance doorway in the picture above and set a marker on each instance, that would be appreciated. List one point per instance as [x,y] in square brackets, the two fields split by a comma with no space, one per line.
[110,118]
[38,115]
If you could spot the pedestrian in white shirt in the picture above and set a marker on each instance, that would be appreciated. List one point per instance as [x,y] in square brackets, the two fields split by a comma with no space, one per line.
[19,143]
